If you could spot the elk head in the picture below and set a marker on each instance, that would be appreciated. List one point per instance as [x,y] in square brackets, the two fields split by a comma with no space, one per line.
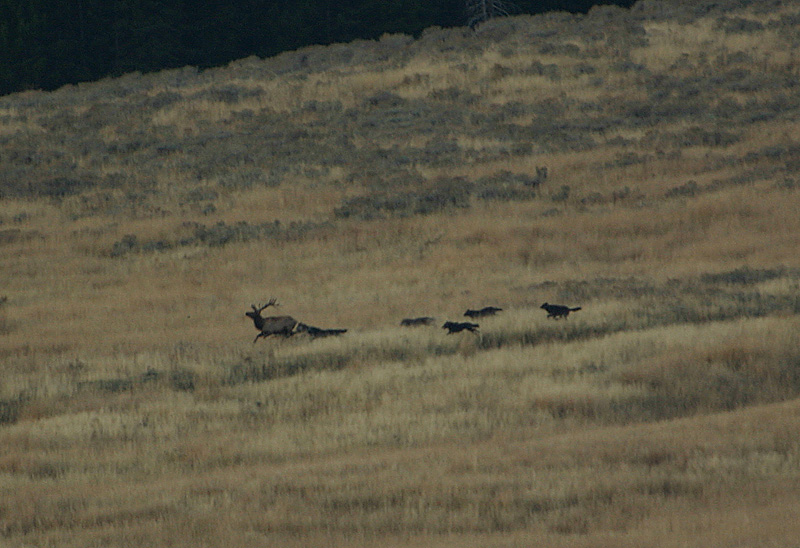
[256,313]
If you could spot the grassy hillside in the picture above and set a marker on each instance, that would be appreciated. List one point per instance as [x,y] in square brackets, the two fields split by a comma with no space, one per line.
[368,182]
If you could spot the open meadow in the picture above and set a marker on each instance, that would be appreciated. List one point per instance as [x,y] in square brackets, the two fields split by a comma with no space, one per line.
[364,183]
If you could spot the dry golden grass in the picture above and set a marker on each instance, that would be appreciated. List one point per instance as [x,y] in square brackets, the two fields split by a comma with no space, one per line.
[135,410]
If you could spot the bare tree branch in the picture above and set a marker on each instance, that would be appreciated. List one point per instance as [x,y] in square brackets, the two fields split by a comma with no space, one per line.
[479,11]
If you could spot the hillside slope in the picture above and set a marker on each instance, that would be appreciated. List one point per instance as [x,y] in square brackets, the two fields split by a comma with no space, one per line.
[640,164]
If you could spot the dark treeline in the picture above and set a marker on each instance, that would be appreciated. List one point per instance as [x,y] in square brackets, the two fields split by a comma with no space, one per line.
[45,44]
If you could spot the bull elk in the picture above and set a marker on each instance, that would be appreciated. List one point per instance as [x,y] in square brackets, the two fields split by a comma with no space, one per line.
[271,325]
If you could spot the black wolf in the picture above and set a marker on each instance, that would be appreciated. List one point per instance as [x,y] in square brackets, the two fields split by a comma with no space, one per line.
[457,327]
[483,312]
[317,332]
[412,322]
[557,311]
[541,176]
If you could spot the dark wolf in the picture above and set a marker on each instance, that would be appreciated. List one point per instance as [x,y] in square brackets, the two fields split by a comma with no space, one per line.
[541,176]
[457,327]
[271,325]
[483,312]
[557,311]
[317,332]
[413,322]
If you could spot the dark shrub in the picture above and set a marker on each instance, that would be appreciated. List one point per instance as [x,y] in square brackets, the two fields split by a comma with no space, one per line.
[385,99]
[163,99]
[506,186]
[738,25]
[444,194]
[107,385]
[247,178]
[744,276]
[10,410]
[201,194]
[562,195]
[60,187]
[182,379]
[688,189]
[129,243]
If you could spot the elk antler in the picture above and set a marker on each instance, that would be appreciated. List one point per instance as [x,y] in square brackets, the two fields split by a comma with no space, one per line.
[272,302]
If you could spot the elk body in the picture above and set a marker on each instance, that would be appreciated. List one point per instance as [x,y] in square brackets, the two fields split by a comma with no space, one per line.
[271,325]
